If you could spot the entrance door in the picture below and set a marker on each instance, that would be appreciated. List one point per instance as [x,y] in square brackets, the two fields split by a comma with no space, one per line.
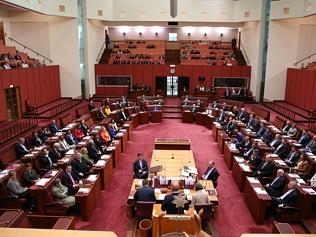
[172,86]
[2,32]
[13,105]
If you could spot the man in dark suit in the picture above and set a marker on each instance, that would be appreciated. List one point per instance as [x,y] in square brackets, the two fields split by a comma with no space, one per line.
[122,116]
[254,160]
[83,127]
[140,167]
[254,147]
[35,140]
[244,146]
[282,149]
[261,131]
[101,115]
[266,168]
[251,121]
[70,180]
[267,137]
[46,162]
[293,157]
[30,176]
[211,173]
[276,141]
[242,115]
[70,138]
[220,117]
[232,127]
[276,187]
[55,153]
[145,193]
[91,105]
[287,126]
[53,127]
[175,203]
[304,139]
[289,198]
[80,166]
[21,148]
[93,151]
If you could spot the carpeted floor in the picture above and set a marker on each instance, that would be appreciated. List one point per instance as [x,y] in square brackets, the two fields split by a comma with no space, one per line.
[234,217]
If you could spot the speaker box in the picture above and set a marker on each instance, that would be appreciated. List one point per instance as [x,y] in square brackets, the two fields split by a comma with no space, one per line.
[173,8]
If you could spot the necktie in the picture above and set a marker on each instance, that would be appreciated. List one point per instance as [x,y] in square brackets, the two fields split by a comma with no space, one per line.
[50,161]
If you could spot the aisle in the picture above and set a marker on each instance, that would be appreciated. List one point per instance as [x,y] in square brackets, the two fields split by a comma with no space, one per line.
[234,217]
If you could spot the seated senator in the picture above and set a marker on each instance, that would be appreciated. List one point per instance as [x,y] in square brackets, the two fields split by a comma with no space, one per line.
[176,202]
[70,180]
[140,167]
[21,148]
[30,176]
[145,193]
[302,166]
[289,198]
[60,192]
[276,187]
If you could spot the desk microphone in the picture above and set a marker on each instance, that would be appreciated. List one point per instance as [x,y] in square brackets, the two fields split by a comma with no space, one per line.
[172,156]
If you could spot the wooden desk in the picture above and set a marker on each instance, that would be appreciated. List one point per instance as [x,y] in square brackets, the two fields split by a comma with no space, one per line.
[129,129]
[209,121]
[33,157]
[240,171]
[172,161]
[282,228]
[115,150]
[215,128]
[18,232]
[222,137]
[88,200]
[122,136]
[104,168]
[156,116]
[200,118]
[144,117]
[256,202]
[135,119]
[187,117]
[172,144]
[229,152]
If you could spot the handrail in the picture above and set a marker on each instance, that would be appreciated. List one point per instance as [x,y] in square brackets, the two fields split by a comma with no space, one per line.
[281,109]
[305,58]
[244,53]
[100,52]
[34,51]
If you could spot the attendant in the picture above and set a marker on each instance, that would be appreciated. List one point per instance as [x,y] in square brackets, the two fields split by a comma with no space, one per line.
[288,199]
[91,105]
[35,140]
[80,166]
[107,110]
[200,196]
[30,176]
[105,136]
[60,192]
[169,205]
[282,149]
[15,189]
[292,157]
[64,146]
[122,116]
[242,115]
[304,139]
[85,155]
[78,133]
[93,151]
[261,131]
[275,142]
[266,168]
[53,127]
[84,128]
[70,180]
[21,148]
[194,109]
[311,146]
[287,126]
[211,173]
[70,138]
[145,193]
[46,162]
[292,132]
[276,187]
[140,167]
[302,168]
[43,134]
[56,153]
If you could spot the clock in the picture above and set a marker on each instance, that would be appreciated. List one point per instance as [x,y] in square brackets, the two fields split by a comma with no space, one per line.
[172,70]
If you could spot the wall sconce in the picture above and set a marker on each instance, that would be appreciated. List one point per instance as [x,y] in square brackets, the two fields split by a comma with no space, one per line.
[189,34]
[205,34]
[156,33]
[124,33]
[140,33]
[222,35]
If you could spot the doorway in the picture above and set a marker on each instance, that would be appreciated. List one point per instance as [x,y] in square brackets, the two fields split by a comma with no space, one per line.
[2,35]
[13,105]
[172,86]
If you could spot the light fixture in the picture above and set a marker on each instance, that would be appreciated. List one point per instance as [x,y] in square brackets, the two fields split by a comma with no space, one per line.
[140,33]
[205,34]
[156,33]
[189,34]
[124,33]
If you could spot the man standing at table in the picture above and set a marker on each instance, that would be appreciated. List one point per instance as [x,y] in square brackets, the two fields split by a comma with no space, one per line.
[140,167]
[145,193]
[211,173]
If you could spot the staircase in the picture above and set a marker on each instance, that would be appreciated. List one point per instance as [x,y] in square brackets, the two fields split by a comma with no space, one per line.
[172,56]
[105,56]
[172,109]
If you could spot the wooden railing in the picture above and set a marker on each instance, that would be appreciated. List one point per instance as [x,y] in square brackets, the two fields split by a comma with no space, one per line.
[282,110]
[16,129]
[312,126]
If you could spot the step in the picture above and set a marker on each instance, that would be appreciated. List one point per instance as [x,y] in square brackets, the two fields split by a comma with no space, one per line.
[172,106]
[172,110]
[172,115]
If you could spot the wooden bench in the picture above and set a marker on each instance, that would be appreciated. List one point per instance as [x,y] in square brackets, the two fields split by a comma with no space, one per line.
[261,112]
[237,103]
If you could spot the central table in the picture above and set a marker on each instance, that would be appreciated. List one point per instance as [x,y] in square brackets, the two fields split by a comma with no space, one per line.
[172,144]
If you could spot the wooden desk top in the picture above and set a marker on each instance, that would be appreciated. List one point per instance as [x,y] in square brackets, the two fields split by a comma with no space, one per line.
[278,235]
[172,161]
[17,232]
[172,141]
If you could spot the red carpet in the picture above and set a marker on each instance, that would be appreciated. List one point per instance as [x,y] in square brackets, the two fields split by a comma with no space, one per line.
[234,216]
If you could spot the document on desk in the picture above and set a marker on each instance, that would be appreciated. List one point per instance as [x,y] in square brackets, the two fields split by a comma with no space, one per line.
[84,190]
[186,191]
[260,191]
[42,182]
[92,177]
[157,190]
[161,196]
[105,157]
[53,172]
[301,181]
[100,163]
[239,159]
[245,167]
[189,197]
[253,180]
[310,191]
[294,175]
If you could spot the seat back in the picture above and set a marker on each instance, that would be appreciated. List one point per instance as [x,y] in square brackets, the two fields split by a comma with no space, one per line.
[144,209]
[207,211]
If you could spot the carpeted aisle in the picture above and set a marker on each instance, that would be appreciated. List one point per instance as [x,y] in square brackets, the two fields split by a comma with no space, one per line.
[234,217]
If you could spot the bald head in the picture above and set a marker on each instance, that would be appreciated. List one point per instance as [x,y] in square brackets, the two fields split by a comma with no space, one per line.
[280,172]
[211,164]
[175,186]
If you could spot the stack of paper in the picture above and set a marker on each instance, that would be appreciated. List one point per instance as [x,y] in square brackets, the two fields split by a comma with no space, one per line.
[53,172]
[253,180]
[92,177]
[260,191]
[239,159]
[84,190]
[310,191]
[157,190]
[189,197]
[294,175]
[161,196]
[70,152]
[105,157]
[100,163]
[42,182]
[245,167]
[186,191]
[97,127]
[65,159]
[301,181]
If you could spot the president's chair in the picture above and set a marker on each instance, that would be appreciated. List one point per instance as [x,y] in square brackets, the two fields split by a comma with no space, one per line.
[144,210]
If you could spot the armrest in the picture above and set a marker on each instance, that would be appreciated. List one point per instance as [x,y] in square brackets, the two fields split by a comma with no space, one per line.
[289,208]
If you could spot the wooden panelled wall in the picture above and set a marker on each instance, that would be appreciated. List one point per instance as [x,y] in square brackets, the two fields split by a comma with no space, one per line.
[146,74]
[301,88]
[38,85]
